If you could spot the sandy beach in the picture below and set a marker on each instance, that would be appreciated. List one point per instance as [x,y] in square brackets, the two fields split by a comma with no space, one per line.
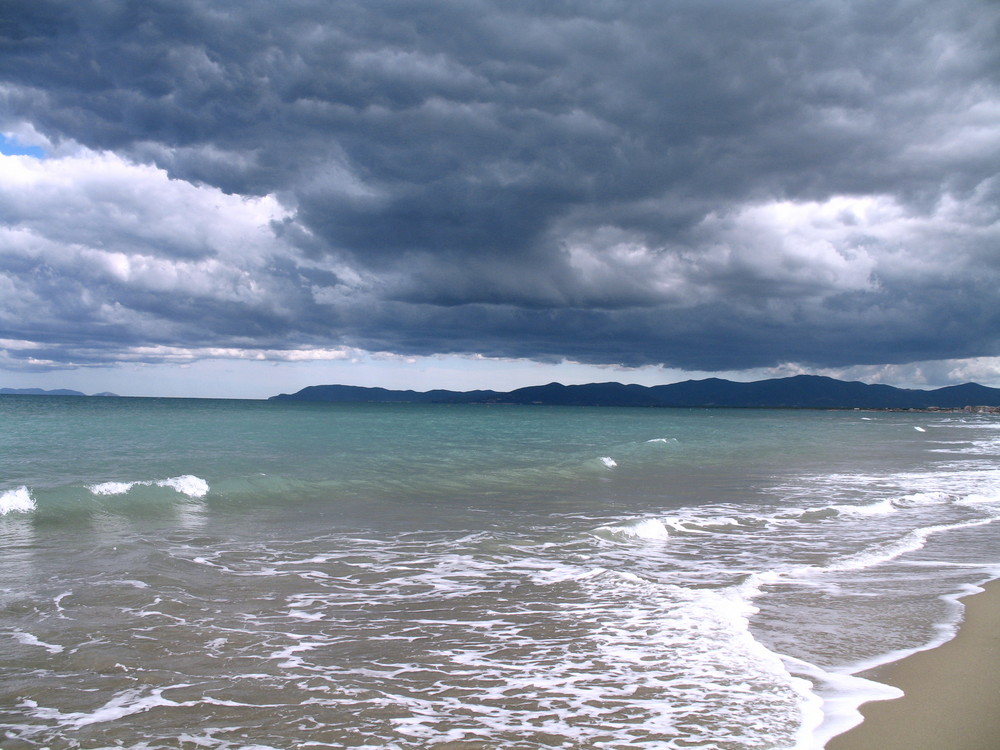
[952,693]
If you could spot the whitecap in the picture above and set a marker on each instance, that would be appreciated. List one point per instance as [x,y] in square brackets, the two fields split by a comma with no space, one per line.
[16,501]
[922,498]
[641,528]
[871,509]
[609,462]
[187,484]
[979,498]
[696,525]
[111,488]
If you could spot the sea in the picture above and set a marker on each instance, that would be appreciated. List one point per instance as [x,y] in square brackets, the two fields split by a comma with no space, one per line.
[247,575]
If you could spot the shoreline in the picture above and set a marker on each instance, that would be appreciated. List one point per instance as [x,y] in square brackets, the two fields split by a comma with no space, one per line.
[950,692]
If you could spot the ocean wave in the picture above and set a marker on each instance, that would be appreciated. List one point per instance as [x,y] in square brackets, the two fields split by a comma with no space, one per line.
[709,524]
[111,488]
[640,528]
[715,521]
[877,508]
[18,500]
[917,499]
[980,498]
[870,557]
[187,484]
[978,448]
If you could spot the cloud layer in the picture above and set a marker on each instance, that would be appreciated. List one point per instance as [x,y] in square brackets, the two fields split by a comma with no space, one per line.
[708,186]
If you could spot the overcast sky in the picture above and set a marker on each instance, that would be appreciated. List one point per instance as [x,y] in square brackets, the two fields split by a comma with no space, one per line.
[242,197]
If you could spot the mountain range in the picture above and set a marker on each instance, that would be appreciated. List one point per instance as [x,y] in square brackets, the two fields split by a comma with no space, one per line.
[800,391]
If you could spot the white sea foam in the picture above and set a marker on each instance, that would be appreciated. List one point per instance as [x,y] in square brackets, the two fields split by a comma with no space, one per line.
[125,703]
[837,696]
[917,499]
[111,488]
[706,525]
[609,462]
[640,528]
[58,602]
[885,552]
[878,508]
[563,573]
[289,654]
[977,448]
[18,500]
[76,719]
[980,498]
[845,692]
[31,640]
[187,484]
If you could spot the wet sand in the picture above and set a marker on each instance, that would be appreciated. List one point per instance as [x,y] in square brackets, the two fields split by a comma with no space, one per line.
[952,693]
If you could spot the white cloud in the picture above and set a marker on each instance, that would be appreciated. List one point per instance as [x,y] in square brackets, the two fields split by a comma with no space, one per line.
[94,238]
[927,374]
[102,201]
[177,354]
[797,249]
[804,250]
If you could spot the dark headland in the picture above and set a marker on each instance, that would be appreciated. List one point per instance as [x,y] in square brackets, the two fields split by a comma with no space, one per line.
[798,392]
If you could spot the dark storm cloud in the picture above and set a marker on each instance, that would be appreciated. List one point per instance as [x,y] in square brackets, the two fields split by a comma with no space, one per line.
[709,185]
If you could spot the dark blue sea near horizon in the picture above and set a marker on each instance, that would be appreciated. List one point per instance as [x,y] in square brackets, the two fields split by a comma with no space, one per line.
[246,575]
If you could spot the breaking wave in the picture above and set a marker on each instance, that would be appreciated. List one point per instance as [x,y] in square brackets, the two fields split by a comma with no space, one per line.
[186,484]
[18,500]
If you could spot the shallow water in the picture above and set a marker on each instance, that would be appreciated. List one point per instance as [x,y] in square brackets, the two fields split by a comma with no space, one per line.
[235,574]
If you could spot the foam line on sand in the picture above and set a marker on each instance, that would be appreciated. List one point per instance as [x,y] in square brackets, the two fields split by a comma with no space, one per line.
[951,693]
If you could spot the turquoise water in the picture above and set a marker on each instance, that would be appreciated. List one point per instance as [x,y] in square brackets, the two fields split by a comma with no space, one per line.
[237,574]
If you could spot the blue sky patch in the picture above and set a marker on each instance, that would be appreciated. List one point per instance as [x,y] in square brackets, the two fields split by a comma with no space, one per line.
[10,147]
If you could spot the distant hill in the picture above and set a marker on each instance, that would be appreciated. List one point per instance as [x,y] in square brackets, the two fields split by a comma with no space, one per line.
[359,394]
[42,392]
[800,391]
